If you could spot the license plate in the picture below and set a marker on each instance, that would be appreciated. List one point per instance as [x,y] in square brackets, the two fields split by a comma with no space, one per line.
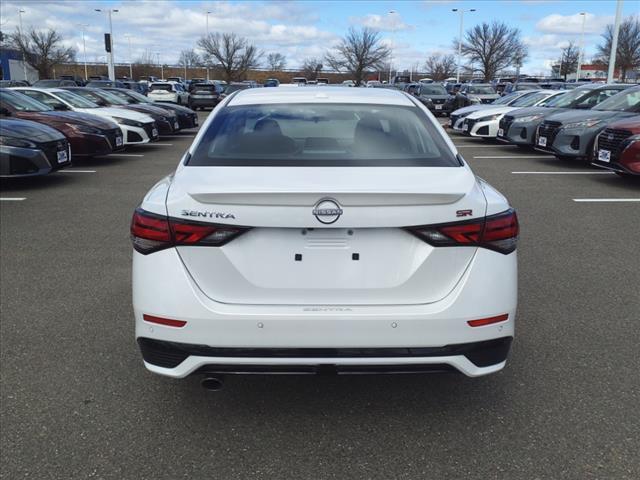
[438,107]
[62,156]
[465,127]
[118,141]
[500,132]
[604,156]
[542,141]
[195,122]
[175,125]
[154,133]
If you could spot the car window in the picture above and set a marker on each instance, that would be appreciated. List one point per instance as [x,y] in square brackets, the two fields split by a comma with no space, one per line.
[160,86]
[76,101]
[530,99]
[628,100]
[322,135]
[596,97]
[44,98]
[23,103]
[432,89]
[570,98]
[480,90]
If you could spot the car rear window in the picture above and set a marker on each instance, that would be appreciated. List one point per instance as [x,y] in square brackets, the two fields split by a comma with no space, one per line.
[322,135]
[160,86]
[204,89]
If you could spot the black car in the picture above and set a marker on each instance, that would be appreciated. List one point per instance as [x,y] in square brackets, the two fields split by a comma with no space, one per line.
[234,87]
[519,86]
[142,88]
[472,93]
[54,83]
[434,96]
[186,117]
[28,148]
[204,95]
[13,83]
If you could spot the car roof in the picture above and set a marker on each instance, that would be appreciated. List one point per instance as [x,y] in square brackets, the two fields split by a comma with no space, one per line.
[344,95]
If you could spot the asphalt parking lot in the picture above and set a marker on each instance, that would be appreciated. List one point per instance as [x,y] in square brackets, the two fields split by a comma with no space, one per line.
[77,402]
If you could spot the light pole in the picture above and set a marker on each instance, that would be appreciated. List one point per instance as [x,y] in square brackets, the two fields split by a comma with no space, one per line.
[128,37]
[24,60]
[461,10]
[112,70]
[161,67]
[207,60]
[614,44]
[580,54]
[393,41]
[84,50]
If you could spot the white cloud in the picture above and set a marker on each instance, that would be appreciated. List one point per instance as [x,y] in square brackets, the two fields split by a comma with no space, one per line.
[391,22]
[572,24]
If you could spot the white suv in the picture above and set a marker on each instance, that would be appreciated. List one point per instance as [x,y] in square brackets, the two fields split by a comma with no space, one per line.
[172,92]
[323,230]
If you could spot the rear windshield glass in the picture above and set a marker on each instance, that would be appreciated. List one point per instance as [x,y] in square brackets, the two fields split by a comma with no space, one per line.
[322,135]
[206,89]
[160,86]
[432,90]
[481,90]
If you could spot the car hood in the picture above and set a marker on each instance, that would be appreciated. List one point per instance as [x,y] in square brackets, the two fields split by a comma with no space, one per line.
[572,116]
[30,131]
[118,112]
[483,96]
[472,108]
[438,96]
[80,118]
[490,111]
[175,108]
[151,110]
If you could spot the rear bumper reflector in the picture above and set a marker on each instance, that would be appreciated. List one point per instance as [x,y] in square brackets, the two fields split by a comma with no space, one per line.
[164,321]
[488,321]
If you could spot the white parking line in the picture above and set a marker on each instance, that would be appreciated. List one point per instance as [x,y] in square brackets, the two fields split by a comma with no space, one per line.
[77,171]
[12,199]
[517,156]
[161,144]
[595,200]
[563,173]
[125,155]
[483,146]
[178,136]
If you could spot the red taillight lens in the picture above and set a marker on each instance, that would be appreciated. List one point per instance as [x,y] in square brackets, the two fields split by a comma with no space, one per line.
[151,232]
[169,322]
[481,322]
[496,232]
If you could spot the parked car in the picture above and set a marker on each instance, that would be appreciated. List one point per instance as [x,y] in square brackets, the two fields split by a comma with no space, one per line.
[374,84]
[518,86]
[571,134]
[213,243]
[233,87]
[457,116]
[472,93]
[434,97]
[166,121]
[30,148]
[519,127]
[348,83]
[104,83]
[299,80]
[205,96]
[139,87]
[54,83]
[187,118]
[168,92]
[80,81]
[89,135]
[177,80]
[137,128]
[322,81]
[484,123]
[452,88]
[617,147]
[269,82]
[13,83]
[426,80]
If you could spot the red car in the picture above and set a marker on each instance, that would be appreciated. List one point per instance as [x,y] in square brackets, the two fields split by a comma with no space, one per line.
[617,147]
[89,135]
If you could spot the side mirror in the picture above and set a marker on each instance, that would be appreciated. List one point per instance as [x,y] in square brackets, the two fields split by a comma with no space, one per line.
[5,112]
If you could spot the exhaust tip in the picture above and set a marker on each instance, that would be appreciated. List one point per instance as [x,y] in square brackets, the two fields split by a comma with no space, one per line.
[212,384]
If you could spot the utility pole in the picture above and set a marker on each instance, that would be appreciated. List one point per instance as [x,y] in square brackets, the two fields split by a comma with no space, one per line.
[207,60]
[111,68]
[393,40]
[24,59]
[84,50]
[161,67]
[614,44]
[130,60]
[461,10]
[580,53]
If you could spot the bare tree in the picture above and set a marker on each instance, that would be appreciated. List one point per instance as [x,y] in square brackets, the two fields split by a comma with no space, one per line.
[311,67]
[440,67]
[189,58]
[494,47]
[235,54]
[568,61]
[359,52]
[42,50]
[628,51]
[276,61]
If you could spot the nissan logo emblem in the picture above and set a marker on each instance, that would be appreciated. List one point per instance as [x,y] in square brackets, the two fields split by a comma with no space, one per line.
[327,211]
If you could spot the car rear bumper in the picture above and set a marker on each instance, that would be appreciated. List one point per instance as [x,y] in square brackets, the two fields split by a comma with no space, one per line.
[488,288]
[203,102]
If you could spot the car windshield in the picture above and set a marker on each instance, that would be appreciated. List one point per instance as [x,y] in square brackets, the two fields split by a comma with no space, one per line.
[527,86]
[46,83]
[567,100]
[626,101]
[507,99]
[135,95]
[322,135]
[530,99]
[204,88]
[160,86]
[75,101]
[89,95]
[122,96]
[432,90]
[23,103]
[481,90]
[111,98]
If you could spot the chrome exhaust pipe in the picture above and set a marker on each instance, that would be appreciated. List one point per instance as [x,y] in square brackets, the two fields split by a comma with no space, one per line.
[213,384]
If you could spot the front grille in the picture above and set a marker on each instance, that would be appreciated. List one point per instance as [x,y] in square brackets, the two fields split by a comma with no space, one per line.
[111,136]
[612,140]
[51,150]
[470,123]
[487,100]
[454,119]
[549,130]
[149,127]
[438,101]
[505,124]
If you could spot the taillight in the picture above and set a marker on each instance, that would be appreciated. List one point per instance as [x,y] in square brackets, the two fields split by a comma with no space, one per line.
[496,232]
[151,232]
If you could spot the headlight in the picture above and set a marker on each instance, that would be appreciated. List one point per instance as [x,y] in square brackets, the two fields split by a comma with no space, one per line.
[582,124]
[17,142]
[530,118]
[126,121]
[85,129]
[490,117]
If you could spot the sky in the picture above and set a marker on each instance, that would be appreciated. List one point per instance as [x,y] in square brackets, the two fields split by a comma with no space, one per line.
[304,29]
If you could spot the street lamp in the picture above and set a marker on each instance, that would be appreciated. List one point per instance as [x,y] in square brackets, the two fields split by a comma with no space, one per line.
[161,67]
[84,49]
[461,10]
[24,60]
[207,61]
[393,41]
[580,54]
[112,72]
[614,43]
[128,37]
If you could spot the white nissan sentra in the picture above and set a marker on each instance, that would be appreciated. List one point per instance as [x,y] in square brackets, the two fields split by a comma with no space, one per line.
[323,230]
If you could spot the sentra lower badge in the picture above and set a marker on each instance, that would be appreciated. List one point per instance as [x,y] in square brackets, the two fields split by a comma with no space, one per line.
[327,211]
[195,213]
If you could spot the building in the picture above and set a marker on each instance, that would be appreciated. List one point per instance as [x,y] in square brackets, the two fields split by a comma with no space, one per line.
[12,68]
